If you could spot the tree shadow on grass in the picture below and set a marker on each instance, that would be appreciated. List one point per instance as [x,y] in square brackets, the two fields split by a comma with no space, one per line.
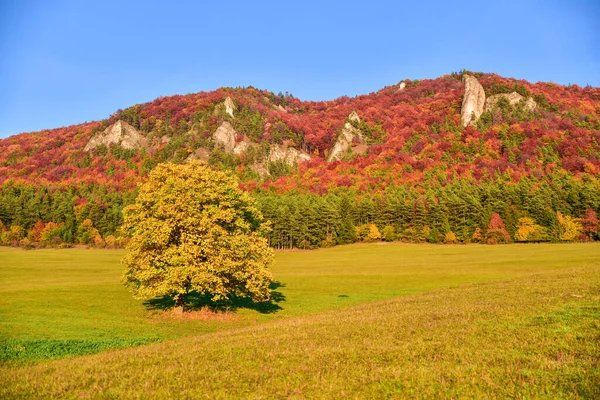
[197,301]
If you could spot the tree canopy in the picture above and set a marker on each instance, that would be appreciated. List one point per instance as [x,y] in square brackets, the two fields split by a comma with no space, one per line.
[193,230]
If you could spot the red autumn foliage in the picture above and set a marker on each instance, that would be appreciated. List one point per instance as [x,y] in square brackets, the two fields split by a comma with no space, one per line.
[497,230]
[416,136]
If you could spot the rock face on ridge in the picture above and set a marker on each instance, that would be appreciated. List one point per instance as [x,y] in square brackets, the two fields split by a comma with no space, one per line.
[473,100]
[120,133]
[513,98]
[347,136]
[229,106]
[225,136]
[289,155]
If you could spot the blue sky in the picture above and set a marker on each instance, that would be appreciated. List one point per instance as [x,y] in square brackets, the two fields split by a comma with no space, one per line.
[66,62]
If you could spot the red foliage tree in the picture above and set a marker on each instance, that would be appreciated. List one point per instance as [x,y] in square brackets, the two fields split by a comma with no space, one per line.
[496,231]
[590,223]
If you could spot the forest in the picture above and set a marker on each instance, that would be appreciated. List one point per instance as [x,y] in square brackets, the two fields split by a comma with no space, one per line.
[516,175]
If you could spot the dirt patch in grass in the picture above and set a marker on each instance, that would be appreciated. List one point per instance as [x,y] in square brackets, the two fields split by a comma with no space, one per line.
[203,314]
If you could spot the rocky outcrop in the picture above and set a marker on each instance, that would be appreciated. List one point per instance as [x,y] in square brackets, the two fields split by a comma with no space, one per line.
[229,106]
[512,98]
[348,135]
[120,133]
[224,136]
[289,155]
[242,146]
[473,100]
[401,87]
[200,154]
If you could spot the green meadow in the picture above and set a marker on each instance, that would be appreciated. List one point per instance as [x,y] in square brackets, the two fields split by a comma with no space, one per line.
[358,321]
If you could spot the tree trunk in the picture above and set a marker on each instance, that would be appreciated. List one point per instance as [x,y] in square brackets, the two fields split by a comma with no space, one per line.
[179,303]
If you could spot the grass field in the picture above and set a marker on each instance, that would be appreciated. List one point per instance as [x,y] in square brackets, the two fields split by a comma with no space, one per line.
[491,321]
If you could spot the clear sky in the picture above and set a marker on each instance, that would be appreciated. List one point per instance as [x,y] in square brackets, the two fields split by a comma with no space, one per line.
[65,62]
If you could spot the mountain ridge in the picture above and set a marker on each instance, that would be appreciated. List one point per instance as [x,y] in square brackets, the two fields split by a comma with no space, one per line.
[424,112]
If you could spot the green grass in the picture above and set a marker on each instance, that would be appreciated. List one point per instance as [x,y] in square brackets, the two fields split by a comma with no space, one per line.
[77,295]
[529,337]
[480,321]
[35,350]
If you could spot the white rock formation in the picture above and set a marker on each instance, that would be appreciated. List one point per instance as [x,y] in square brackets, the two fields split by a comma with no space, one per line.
[241,147]
[402,85]
[120,133]
[473,100]
[229,106]
[289,155]
[225,136]
[530,104]
[346,138]
[513,98]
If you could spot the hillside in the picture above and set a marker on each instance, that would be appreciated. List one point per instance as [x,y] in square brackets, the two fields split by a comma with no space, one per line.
[411,128]
[495,145]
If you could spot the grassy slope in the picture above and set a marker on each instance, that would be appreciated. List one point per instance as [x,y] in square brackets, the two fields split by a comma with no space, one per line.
[76,294]
[532,336]
[59,303]
[70,302]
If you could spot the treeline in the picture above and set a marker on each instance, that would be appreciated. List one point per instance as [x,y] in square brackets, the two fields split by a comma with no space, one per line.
[61,216]
[557,208]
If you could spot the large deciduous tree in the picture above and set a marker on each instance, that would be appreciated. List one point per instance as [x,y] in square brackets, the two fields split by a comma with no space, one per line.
[193,230]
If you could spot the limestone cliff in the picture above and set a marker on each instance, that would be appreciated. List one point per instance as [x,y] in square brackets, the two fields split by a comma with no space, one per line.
[347,136]
[120,133]
[473,100]
[512,98]
[224,136]
[229,106]
[289,155]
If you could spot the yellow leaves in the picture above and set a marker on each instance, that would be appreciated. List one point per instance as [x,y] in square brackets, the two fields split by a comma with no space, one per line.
[193,229]
[525,227]
[529,231]
[569,228]
[368,233]
[450,238]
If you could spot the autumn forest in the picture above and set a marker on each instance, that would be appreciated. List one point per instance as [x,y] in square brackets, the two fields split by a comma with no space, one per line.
[399,164]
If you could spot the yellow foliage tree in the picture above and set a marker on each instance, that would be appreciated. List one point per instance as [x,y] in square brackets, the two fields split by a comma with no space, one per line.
[13,235]
[368,233]
[450,238]
[569,228]
[50,234]
[528,230]
[192,229]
